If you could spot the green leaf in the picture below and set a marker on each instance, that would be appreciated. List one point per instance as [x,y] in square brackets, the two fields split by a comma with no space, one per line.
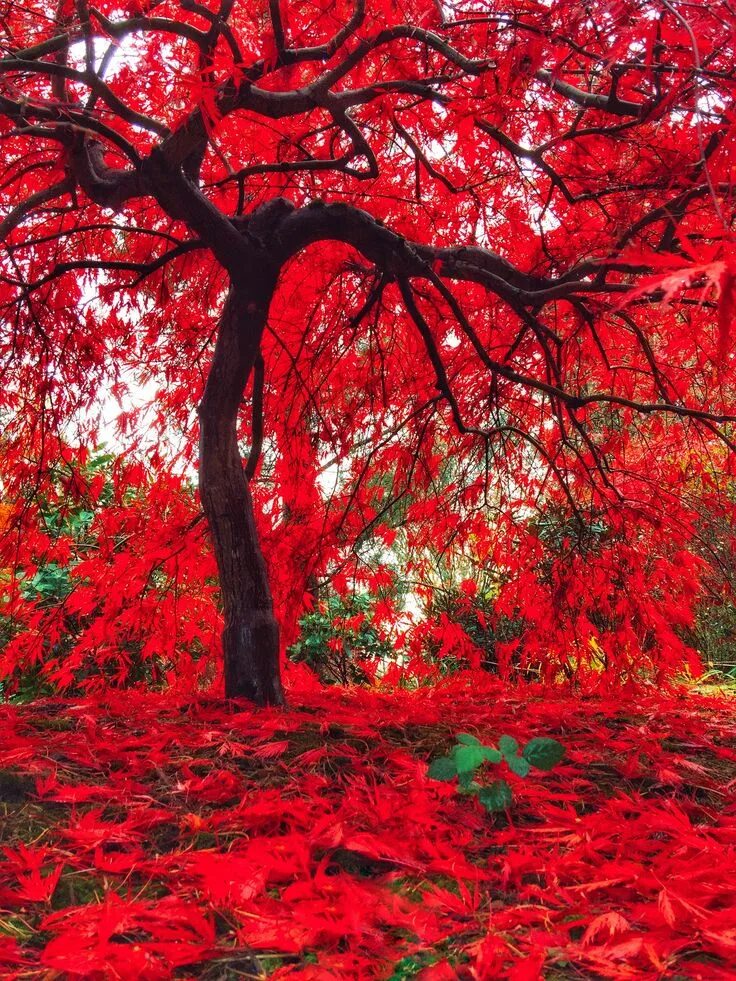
[492,755]
[543,753]
[467,740]
[496,796]
[443,768]
[508,746]
[518,765]
[468,758]
[466,782]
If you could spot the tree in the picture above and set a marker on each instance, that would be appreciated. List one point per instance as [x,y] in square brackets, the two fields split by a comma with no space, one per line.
[485,203]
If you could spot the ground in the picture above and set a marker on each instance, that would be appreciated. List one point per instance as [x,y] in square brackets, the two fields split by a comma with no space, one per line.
[151,836]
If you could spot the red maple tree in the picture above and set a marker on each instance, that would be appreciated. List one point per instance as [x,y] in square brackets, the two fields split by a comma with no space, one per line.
[499,233]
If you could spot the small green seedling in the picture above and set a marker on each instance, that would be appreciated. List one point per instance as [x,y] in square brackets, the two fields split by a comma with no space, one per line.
[469,755]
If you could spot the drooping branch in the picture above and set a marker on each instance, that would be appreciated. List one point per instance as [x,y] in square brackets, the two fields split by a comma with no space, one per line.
[33,202]
[405,260]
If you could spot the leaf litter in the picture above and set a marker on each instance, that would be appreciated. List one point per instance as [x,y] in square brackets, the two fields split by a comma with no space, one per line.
[148,836]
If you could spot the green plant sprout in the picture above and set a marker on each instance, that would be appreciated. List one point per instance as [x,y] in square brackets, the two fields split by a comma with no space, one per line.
[469,755]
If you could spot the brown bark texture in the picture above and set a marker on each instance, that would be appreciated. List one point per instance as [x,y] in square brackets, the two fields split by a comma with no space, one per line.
[250,638]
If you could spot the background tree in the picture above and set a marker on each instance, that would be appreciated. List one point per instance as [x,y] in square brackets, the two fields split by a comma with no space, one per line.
[380,223]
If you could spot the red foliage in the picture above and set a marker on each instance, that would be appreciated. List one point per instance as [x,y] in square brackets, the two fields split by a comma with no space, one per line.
[501,332]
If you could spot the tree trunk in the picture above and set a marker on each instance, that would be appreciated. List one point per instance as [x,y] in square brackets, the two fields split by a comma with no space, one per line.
[250,639]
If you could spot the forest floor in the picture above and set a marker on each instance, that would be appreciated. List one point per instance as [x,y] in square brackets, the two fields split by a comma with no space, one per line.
[145,836]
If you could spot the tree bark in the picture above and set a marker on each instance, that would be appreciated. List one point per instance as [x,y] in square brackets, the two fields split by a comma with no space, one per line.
[250,639]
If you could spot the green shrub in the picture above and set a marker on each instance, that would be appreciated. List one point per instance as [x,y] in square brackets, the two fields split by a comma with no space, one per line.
[476,615]
[338,639]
